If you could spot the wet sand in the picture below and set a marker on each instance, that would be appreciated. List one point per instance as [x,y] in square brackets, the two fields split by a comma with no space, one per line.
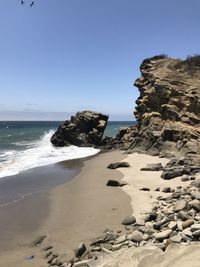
[78,210]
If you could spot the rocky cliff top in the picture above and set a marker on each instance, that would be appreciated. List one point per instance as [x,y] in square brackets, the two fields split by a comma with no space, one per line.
[168,108]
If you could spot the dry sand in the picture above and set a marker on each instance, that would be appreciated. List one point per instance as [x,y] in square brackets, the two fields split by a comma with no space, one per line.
[142,201]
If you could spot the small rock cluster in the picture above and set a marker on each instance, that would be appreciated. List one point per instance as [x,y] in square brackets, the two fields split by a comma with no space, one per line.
[175,218]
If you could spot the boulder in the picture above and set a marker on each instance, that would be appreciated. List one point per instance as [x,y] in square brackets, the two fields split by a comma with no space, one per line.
[121,164]
[152,167]
[86,128]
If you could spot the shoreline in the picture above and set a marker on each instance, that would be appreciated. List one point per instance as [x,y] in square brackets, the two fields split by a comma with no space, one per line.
[66,226]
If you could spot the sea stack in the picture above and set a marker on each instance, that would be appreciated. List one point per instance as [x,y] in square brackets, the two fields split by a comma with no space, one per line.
[86,128]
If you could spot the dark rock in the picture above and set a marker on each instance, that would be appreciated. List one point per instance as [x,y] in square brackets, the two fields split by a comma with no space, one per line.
[151,217]
[116,165]
[196,183]
[185,178]
[38,240]
[86,128]
[145,189]
[166,190]
[174,172]
[157,189]
[152,167]
[80,250]
[115,183]
[129,220]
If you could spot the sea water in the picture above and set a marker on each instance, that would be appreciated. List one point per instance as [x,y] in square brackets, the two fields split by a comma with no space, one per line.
[26,144]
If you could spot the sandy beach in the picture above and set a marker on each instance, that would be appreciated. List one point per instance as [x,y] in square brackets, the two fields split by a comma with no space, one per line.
[84,207]
[76,211]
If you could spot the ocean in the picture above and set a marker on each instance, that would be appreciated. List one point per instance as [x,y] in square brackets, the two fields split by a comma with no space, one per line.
[26,144]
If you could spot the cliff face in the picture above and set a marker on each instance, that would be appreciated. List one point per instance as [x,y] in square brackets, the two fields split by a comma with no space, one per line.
[168,108]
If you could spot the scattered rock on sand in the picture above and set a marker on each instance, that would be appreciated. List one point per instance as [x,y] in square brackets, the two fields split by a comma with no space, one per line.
[129,220]
[80,250]
[38,240]
[115,183]
[144,189]
[153,167]
[116,165]
[135,236]
[166,190]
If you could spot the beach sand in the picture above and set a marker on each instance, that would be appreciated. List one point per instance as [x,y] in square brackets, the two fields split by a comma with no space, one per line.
[76,211]
[81,209]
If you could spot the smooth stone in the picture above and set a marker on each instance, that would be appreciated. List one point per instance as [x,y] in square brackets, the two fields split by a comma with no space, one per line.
[117,246]
[151,217]
[129,220]
[152,167]
[187,232]
[166,190]
[162,235]
[185,178]
[176,238]
[187,223]
[172,225]
[144,189]
[136,236]
[80,250]
[195,204]
[116,165]
[180,205]
[38,240]
[179,225]
[195,227]
[196,233]
[115,183]
[47,248]
[183,215]
[120,239]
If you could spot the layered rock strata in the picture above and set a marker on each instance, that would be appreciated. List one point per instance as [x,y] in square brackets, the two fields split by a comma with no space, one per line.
[168,109]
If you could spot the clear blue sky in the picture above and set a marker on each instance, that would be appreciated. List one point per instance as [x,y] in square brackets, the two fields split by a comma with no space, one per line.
[61,56]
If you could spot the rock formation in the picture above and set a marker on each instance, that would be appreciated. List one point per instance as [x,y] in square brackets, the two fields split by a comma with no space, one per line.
[86,128]
[168,109]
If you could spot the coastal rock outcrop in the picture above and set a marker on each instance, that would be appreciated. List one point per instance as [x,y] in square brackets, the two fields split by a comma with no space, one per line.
[167,113]
[86,128]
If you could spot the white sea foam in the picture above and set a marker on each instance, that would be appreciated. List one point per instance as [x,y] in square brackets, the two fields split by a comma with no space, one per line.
[41,153]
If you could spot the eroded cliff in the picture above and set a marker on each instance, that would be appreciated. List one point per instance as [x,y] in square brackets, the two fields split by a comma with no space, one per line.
[168,108]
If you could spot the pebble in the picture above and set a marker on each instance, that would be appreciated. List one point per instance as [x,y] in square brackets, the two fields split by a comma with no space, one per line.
[129,220]
[187,223]
[120,239]
[136,236]
[195,227]
[162,235]
[176,238]
[172,225]
[80,250]
[180,205]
